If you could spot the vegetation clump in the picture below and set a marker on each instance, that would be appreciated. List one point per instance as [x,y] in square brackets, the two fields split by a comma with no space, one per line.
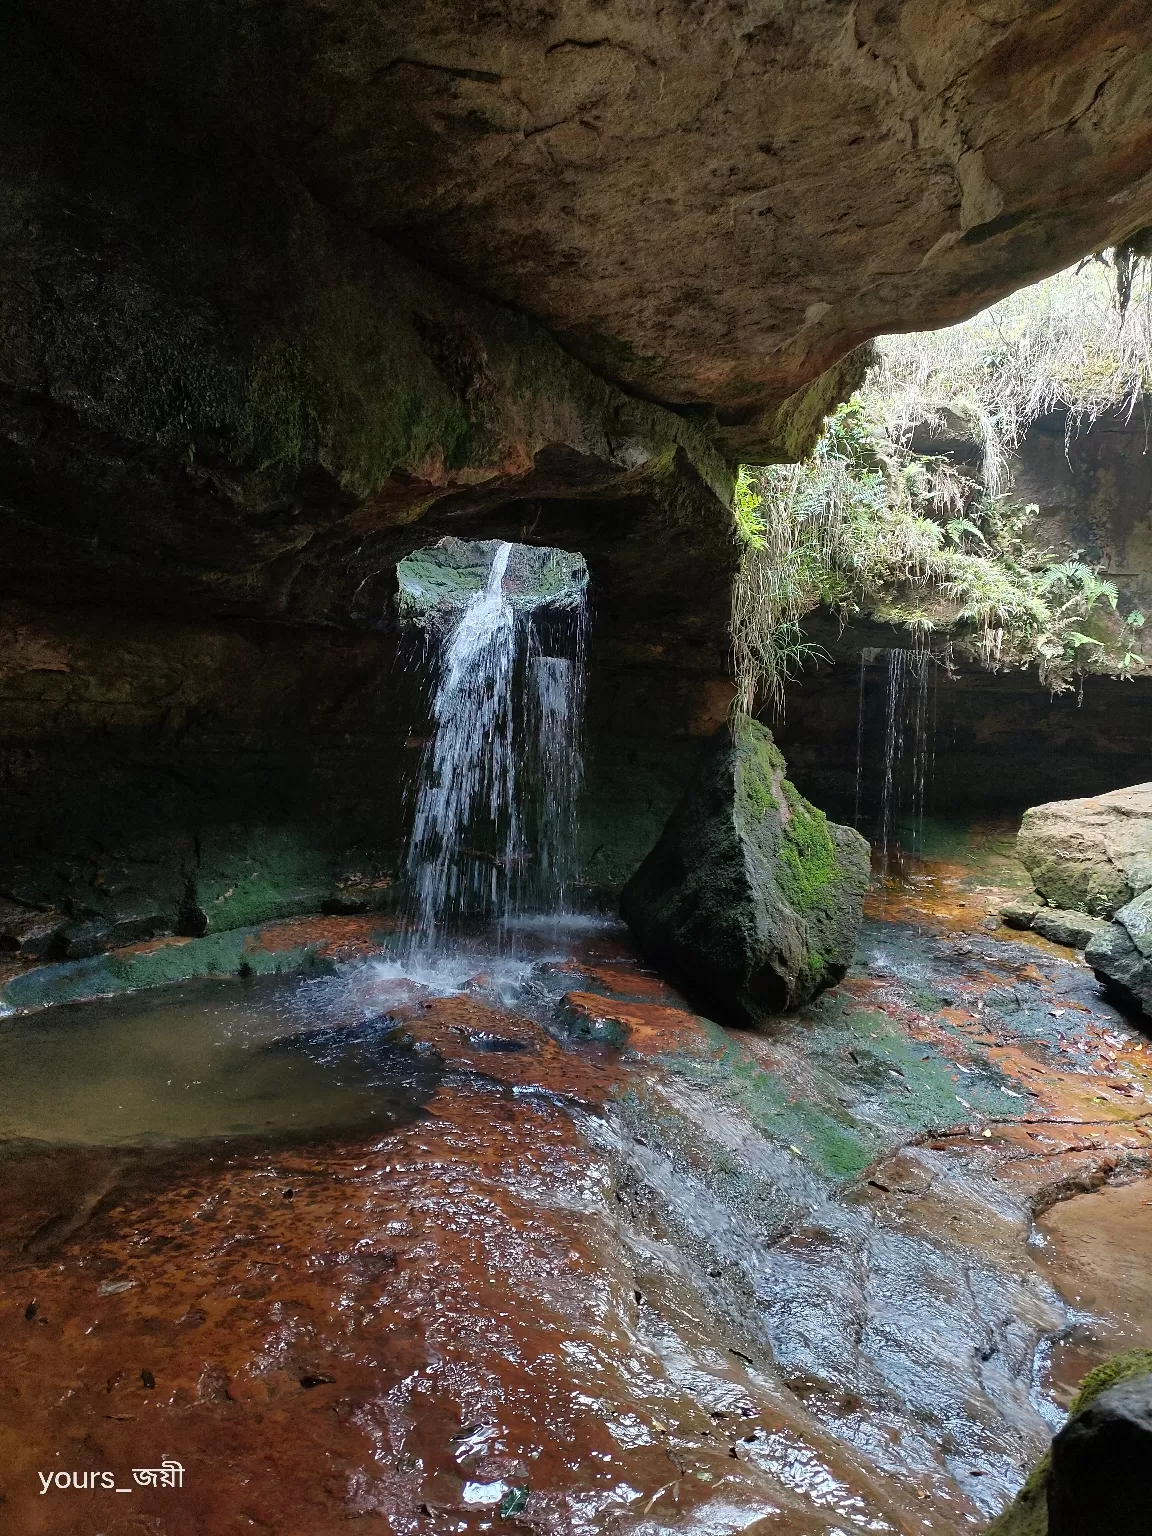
[869,525]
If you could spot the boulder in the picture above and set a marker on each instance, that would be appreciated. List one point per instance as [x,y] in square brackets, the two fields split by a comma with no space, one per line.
[1020,914]
[1060,926]
[750,894]
[1090,855]
[1064,1494]
[1101,1466]
[1121,954]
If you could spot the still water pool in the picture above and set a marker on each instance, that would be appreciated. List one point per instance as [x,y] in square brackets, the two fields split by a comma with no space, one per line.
[208,1058]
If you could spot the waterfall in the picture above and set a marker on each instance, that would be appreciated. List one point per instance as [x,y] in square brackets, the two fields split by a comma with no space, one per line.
[909,748]
[860,739]
[495,822]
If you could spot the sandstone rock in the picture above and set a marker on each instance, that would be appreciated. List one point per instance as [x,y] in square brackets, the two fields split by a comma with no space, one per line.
[711,215]
[1076,929]
[1101,1464]
[1121,953]
[1090,855]
[1020,914]
[751,894]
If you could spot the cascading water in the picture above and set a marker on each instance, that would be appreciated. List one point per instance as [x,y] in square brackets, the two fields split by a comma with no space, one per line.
[494,831]
[556,707]
[909,749]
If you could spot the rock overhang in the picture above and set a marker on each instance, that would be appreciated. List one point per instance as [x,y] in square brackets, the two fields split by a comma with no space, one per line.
[709,209]
[435,584]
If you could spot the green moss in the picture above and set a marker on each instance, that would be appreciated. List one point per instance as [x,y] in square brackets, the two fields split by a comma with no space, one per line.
[808,865]
[1124,1367]
[219,954]
[805,859]
[1027,1515]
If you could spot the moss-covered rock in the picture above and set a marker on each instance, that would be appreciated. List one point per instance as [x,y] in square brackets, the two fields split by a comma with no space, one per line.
[751,893]
[434,585]
[1027,1515]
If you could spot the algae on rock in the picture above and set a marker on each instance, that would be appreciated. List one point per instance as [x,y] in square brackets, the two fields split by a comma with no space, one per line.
[750,894]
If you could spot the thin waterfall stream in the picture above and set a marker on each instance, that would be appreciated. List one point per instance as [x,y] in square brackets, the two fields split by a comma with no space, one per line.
[494,831]
[908,751]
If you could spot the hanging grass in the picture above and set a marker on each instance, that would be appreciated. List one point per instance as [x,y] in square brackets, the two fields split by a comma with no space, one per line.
[867,525]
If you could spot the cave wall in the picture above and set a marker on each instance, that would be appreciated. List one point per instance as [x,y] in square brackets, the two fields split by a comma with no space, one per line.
[192,773]
[998,742]
[1094,490]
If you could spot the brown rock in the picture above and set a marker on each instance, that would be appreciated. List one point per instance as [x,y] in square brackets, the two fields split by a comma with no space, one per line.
[1092,855]
[707,206]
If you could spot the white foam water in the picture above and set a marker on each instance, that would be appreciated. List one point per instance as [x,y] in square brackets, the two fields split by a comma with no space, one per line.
[495,825]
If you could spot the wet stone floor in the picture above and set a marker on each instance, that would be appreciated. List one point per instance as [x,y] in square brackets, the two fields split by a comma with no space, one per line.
[530,1245]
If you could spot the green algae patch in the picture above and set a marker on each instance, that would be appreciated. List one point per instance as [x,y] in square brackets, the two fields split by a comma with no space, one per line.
[245,951]
[820,1130]
[846,1085]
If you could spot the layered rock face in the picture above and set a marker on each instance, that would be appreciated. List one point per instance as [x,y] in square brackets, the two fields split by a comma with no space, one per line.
[751,894]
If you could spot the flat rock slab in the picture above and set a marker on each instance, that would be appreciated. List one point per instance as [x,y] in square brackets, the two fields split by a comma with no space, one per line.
[1076,929]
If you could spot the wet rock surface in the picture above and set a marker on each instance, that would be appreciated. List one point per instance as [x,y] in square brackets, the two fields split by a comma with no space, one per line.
[672,1278]
[751,893]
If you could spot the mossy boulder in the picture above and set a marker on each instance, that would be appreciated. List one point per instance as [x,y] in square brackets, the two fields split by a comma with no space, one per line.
[1093,1410]
[750,894]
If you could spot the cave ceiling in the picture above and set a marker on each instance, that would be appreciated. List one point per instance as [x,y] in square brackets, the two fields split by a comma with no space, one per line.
[289,288]
[709,203]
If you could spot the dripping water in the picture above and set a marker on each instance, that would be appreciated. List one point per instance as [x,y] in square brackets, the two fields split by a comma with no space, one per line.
[494,831]
[860,740]
[909,749]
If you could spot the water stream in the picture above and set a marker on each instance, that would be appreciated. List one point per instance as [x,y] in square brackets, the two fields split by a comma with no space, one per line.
[908,752]
[494,834]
